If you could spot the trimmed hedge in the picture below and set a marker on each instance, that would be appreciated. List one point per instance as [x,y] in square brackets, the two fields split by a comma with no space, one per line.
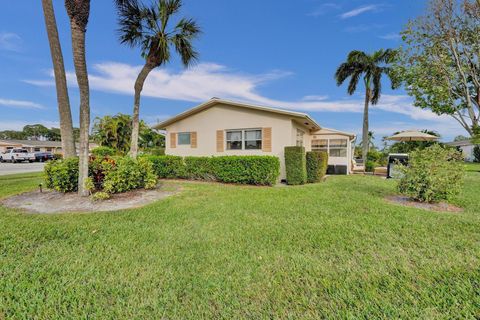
[168,167]
[295,163]
[128,174]
[199,168]
[254,170]
[317,164]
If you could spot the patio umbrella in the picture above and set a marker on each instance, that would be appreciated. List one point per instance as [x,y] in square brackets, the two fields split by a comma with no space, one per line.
[412,135]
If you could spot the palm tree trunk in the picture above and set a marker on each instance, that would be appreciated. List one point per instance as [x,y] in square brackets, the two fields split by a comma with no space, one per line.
[66,126]
[78,45]
[365,143]
[142,76]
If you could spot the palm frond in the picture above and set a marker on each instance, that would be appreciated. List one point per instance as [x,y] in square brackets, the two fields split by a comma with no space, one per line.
[185,50]
[354,78]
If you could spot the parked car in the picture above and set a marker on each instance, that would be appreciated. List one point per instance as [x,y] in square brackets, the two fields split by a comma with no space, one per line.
[43,156]
[17,155]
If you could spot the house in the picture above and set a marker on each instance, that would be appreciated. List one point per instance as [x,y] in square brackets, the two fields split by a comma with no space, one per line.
[31,145]
[221,127]
[36,145]
[466,146]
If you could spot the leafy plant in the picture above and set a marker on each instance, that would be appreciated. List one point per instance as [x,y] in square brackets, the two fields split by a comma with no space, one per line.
[295,163]
[317,164]
[432,174]
[103,152]
[100,196]
[62,175]
[129,174]
[254,170]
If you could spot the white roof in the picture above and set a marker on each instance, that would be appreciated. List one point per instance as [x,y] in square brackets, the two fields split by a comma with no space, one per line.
[330,131]
[216,101]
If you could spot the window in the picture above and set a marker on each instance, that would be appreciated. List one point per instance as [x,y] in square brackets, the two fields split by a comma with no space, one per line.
[244,139]
[253,139]
[184,138]
[300,134]
[234,140]
[49,149]
[336,148]
[320,145]
[36,149]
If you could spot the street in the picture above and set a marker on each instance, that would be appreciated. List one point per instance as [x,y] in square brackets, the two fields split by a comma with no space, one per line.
[24,167]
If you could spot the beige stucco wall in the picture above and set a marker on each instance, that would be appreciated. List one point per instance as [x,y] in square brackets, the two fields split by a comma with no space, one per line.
[225,117]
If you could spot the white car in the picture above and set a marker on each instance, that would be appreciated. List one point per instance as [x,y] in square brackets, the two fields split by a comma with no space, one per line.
[17,155]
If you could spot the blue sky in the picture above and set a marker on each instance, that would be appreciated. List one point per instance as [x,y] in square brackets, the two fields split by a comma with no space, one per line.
[269,52]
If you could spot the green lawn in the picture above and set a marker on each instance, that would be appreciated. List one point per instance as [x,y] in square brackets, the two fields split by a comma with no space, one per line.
[331,250]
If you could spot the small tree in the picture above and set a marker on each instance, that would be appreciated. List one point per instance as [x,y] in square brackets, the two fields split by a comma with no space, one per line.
[432,174]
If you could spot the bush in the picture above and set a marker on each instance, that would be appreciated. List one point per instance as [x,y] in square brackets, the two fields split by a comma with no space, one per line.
[295,163]
[100,196]
[476,153]
[375,158]
[154,151]
[200,168]
[62,175]
[103,152]
[128,174]
[254,170]
[57,156]
[432,174]
[317,164]
[168,167]
[105,174]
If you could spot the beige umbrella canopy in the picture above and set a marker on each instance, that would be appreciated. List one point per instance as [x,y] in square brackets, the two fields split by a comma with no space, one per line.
[412,135]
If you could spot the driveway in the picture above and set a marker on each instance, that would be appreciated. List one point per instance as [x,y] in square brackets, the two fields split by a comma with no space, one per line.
[24,167]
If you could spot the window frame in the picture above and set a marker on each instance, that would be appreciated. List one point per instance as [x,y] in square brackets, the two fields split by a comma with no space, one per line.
[189,139]
[243,139]
[329,147]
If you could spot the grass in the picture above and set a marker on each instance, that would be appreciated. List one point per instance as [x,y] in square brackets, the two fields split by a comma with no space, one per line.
[330,250]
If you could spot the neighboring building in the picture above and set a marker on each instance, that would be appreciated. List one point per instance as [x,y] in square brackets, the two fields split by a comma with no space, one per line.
[31,145]
[35,145]
[466,146]
[220,127]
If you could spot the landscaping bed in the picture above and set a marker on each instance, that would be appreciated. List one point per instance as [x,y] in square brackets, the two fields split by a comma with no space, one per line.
[49,202]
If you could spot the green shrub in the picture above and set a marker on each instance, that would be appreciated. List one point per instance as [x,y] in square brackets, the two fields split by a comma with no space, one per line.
[199,168]
[254,170]
[375,159]
[100,196]
[103,152]
[476,153]
[154,151]
[57,156]
[128,174]
[317,164]
[295,163]
[433,174]
[62,175]
[168,167]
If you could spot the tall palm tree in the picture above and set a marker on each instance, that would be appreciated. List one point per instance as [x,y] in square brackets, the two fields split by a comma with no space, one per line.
[78,12]
[66,126]
[148,28]
[372,68]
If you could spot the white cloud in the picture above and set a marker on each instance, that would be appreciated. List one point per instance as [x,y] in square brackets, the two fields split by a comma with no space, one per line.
[21,104]
[324,9]
[391,36]
[359,11]
[209,80]
[10,41]
[18,125]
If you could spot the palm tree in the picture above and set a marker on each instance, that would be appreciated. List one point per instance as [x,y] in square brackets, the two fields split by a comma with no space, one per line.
[148,28]
[66,126]
[371,67]
[78,12]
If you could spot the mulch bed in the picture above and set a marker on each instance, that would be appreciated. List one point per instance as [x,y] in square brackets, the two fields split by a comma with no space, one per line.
[439,207]
[52,202]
